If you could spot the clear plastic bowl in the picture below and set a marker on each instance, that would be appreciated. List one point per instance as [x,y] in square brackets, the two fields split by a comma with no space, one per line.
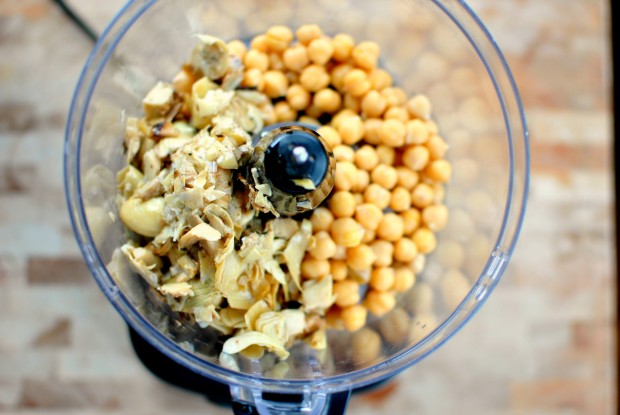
[436,47]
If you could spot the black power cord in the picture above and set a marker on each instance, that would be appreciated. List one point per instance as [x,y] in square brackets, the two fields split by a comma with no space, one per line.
[77,20]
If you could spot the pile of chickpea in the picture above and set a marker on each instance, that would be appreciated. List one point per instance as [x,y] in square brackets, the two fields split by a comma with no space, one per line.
[372,233]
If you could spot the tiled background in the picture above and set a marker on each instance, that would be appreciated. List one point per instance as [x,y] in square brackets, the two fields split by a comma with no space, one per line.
[543,344]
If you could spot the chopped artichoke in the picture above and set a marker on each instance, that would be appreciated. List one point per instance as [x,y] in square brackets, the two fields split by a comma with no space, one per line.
[145,218]
[237,343]
[210,56]
[142,263]
[206,315]
[159,100]
[296,249]
[317,295]
[202,232]
[176,289]
[129,180]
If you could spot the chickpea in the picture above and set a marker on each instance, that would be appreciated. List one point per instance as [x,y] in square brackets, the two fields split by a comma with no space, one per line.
[354,317]
[342,115]
[382,279]
[432,127]
[338,74]
[404,278]
[395,97]
[330,135]
[327,100]
[278,38]
[419,107]
[360,258]
[339,269]
[344,153]
[314,268]
[411,220]
[253,78]
[385,176]
[392,133]
[307,33]
[314,78]
[400,199]
[365,55]
[371,135]
[321,219]
[422,195]
[439,171]
[391,227]
[297,97]
[296,58]
[366,158]
[352,103]
[407,178]
[276,84]
[405,250]
[260,43]
[435,217]
[343,47]
[256,59]
[416,157]
[284,112]
[320,51]
[324,246]
[373,104]
[368,215]
[237,48]
[347,232]
[347,292]
[377,195]
[346,175]
[369,236]
[276,63]
[351,130]
[380,79]
[356,82]
[425,240]
[379,303]
[437,147]
[365,347]
[397,113]
[363,180]
[417,132]
[384,252]
[395,327]
[342,204]
[341,253]
[387,155]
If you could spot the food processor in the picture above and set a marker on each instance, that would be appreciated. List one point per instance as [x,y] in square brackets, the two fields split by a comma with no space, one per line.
[436,47]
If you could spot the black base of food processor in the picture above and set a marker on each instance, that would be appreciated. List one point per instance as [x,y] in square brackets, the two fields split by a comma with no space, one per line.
[218,393]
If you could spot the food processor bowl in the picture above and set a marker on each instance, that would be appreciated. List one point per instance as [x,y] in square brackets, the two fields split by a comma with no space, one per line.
[435,47]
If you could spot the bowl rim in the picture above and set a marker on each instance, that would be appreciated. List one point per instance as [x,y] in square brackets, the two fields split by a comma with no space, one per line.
[517,134]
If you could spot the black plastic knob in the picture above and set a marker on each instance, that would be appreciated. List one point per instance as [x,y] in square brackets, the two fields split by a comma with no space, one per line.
[296,157]
[295,163]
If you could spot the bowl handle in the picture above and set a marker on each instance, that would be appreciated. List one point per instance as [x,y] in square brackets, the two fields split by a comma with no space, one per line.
[247,401]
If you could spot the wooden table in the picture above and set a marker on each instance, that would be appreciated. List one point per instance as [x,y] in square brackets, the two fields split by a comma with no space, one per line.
[543,344]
